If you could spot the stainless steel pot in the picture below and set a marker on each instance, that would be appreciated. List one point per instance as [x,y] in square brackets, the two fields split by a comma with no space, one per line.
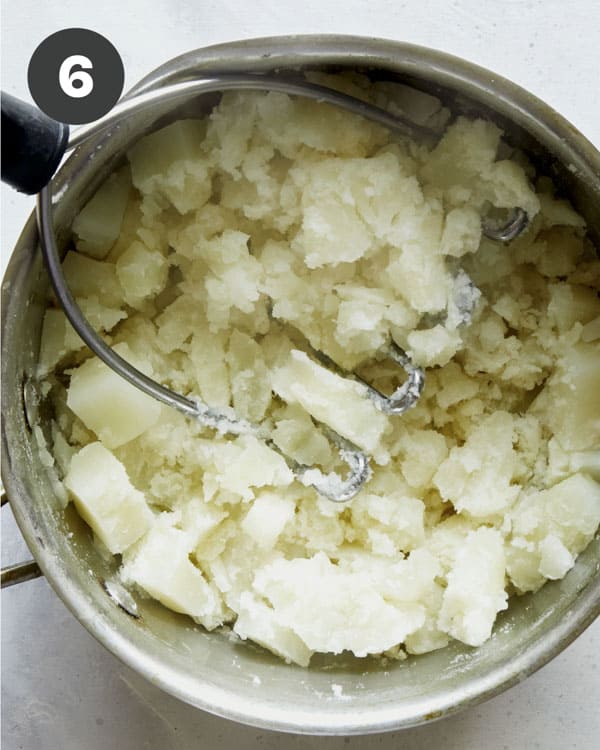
[212,671]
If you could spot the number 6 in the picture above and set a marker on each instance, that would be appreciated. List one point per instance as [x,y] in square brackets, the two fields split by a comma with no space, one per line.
[66,78]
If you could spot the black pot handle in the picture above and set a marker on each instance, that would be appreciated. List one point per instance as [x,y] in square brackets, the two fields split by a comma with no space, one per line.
[32,145]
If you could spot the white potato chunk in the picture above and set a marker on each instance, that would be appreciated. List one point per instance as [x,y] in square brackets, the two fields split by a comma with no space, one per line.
[475,592]
[572,303]
[340,403]
[570,403]
[162,567]
[477,480]
[87,277]
[462,232]
[258,622]
[249,377]
[170,163]
[207,355]
[199,520]
[267,517]
[562,251]
[59,337]
[358,617]
[464,164]
[98,224]
[142,273]
[292,124]
[106,499]
[347,210]
[363,319]
[559,212]
[422,453]
[562,463]
[332,233]
[234,279]
[550,527]
[112,408]
[396,514]
[248,463]
[591,331]
[298,437]
[53,343]
[433,346]
[555,558]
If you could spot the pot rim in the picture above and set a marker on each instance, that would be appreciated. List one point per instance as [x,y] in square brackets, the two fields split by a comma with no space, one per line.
[546,125]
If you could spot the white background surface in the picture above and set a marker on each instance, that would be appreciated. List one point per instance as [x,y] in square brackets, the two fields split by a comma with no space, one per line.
[61,690]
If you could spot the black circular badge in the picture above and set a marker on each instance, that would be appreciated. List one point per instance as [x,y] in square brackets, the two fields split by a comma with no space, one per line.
[75,76]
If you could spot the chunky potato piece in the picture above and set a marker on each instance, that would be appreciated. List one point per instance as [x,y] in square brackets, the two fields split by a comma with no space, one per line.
[259,623]
[92,278]
[98,224]
[549,528]
[435,346]
[225,277]
[109,405]
[359,617]
[477,480]
[464,165]
[161,566]
[208,357]
[339,403]
[250,379]
[247,463]
[570,404]
[54,345]
[267,517]
[59,337]
[572,303]
[475,592]
[390,523]
[462,232]
[170,164]
[106,499]
[298,437]
[142,273]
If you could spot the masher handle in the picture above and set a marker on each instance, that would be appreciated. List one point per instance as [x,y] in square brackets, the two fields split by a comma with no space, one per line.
[32,145]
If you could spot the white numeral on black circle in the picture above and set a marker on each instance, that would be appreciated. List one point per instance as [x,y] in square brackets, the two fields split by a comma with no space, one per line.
[76,83]
[75,75]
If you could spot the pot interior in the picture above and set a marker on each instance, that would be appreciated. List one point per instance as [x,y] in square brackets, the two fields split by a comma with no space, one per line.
[214,670]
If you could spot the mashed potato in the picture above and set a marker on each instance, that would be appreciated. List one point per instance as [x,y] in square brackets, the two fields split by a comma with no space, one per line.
[213,256]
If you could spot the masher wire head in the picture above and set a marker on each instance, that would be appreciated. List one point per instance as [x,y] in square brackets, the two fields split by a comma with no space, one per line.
[330,485]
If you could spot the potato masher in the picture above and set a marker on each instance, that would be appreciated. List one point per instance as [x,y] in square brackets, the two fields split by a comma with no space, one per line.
[32,148]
